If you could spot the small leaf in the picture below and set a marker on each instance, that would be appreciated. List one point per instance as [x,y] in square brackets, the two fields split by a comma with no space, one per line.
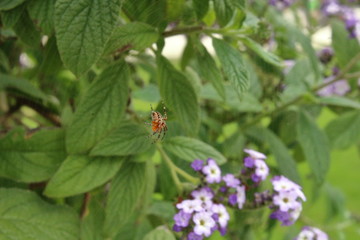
[43,13]
[80,173]
[209,71]
[9,4]
[284,160]
[265,55]
[31,159]
[190,149]
[128,138]
[340,101]
[344,131]
[11,83]
[232,64]
[179,95]
[125,192]
[314,144]
[24,215]
[134,35]
[101,109]
[82,30]
[160,233]
[224,10]
[345,48]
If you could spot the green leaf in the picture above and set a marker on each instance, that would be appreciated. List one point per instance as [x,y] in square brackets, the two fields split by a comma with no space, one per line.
[26,31]
[224,11]
[92,222]
[9,4]
[42,11]
[305,43]
[232,64]
[80,173]
[11,83]
[284,160]
[128,138]
[100,110]
[314,144]
[179,95]
[345,48]
[24,215]
[209,71]
[339,101]
[201,7]
[134,35]
[174,9]
[160,233]
[149,11]
[32,158]
[4,62]
[344,131]
[82,30]
[265,55]
[126,190]
[10,17]
[51,63]
[190,149]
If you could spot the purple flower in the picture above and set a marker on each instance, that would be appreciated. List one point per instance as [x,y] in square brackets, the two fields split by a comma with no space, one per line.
[331,7]
[249,162]
[240,196]
[261,169]
[285,200]
[283,184]
[231,181]
[222,215]
[177,228]
[311,233]
[283,217]
[281,4]
[190,206]
[339,88]
[255,154]
[232,199]
[194,236]
[212,172]
[182,219]
[351,22]
[197,164]
[203,223]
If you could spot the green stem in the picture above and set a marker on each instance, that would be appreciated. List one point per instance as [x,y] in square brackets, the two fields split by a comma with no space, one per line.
[343,74]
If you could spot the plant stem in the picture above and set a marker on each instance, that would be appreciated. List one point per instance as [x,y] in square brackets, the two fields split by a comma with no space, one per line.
[184,30]
[343,74]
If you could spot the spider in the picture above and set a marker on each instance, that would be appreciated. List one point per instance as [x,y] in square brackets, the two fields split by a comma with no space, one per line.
[158,124]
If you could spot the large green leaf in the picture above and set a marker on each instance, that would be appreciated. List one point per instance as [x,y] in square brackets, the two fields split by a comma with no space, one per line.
[134,35]
[43,14]
[93,221]
[344,130]
[26,31]
[101,109]
[9,4]
[82,30]
[267,56]
[190,149]
[232,64]
[201,7]
[128,138]
[314,144]
[160,233]
[80,173]
[10,17]
[32,158]
[179,95]
[24,215]
[126,190]
[345,48]
[224,10]
[284,160]
[209,71]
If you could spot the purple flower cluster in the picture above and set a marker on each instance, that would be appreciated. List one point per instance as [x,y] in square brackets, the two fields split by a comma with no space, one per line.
[286,200]
[334,8]
[311,233]
[339,88]
[255,166]
[205,210]
[281,4]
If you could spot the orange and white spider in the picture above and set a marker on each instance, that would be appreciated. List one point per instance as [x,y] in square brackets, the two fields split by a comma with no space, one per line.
[158,124]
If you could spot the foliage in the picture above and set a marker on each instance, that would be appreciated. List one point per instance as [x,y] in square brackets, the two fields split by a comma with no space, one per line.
[77,79]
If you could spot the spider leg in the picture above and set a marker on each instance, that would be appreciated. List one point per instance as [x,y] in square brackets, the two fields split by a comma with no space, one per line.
[164,130]
[147,123]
